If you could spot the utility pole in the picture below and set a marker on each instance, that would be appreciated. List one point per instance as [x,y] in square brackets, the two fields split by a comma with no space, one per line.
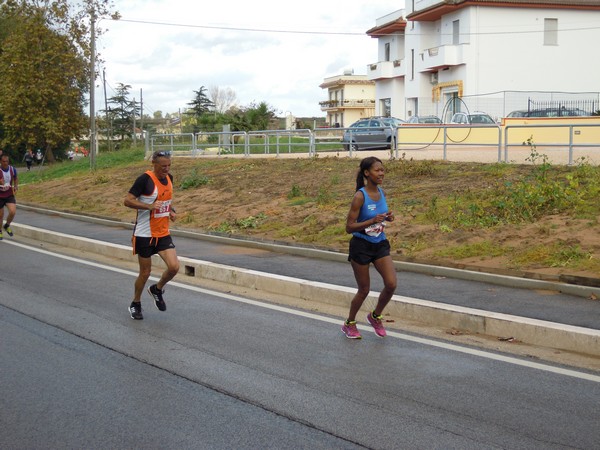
[108,121]
[92,88]
[134,132]
[142,113]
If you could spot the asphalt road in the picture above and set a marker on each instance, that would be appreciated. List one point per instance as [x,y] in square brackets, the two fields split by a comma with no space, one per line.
[536,304]
[221,371]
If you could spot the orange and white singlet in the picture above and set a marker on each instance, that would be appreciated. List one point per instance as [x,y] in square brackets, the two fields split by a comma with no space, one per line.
[155,223]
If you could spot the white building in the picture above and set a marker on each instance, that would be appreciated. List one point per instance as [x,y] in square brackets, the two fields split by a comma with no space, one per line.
[438,57]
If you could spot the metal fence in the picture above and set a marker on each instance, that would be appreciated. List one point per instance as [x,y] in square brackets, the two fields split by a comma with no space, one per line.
[172,142]
[562,108]
[501,104]
[561,137]
[481,143]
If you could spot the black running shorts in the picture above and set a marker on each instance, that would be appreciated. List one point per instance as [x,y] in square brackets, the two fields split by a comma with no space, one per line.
[365,252]
[146,247]
[4,201]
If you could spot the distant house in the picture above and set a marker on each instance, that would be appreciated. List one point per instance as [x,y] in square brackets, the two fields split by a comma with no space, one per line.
[439,57]
[349,98]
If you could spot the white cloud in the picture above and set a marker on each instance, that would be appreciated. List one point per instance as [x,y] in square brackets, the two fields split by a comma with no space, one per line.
[206,45]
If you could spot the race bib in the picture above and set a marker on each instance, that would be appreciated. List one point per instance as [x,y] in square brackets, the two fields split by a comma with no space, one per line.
[375,230]
[164,209]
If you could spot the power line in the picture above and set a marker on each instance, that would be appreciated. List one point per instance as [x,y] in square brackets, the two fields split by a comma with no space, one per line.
[257,30]
[337,33]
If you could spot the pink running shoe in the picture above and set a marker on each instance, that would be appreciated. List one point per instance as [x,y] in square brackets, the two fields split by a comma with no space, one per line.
[350,330]
[377,324]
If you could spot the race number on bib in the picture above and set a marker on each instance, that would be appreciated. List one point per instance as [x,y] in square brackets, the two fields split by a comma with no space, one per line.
[375,229]
[164,209]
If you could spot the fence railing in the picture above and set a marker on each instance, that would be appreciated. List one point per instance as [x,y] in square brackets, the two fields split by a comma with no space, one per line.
[184,142]
[446,136]
[549,136]
[407,138]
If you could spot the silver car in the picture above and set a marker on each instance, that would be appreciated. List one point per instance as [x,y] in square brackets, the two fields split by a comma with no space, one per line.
[429,120]
[371,133]
[477,118]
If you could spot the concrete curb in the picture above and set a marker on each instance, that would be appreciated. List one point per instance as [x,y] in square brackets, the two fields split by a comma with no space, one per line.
[448,272]
[530,331]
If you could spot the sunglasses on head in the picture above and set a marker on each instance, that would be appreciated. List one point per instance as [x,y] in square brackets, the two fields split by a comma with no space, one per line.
[161,153]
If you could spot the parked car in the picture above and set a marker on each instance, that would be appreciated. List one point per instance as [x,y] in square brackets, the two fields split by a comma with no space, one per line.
[371,133]
[393,121]
[424,119]
[518,113]
[477,118]
[550,112]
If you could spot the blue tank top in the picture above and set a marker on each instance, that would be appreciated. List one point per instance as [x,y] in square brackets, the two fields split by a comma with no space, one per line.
[370,208]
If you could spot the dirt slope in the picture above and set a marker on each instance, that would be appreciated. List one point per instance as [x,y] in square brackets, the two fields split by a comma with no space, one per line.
[305,201]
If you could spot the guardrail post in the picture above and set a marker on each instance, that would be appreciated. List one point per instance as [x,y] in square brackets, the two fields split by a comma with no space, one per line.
[445,154]
[570,145]
[499,144]
[445,143]
[506,143]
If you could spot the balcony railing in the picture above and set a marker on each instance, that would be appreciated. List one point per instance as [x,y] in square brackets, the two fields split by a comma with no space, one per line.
[350,103]
[382,69]
[386,69]
[442,56]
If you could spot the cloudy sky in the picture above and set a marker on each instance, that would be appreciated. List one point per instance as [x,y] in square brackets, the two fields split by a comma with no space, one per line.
[268,50]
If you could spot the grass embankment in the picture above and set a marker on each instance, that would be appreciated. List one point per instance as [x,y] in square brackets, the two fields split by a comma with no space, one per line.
[499,216]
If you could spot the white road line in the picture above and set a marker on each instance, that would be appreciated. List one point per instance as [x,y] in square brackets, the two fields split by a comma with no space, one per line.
[394,334]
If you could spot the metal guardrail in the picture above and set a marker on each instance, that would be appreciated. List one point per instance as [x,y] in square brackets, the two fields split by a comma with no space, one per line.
[442,137]
[570,144]
[172,142]
[405,137]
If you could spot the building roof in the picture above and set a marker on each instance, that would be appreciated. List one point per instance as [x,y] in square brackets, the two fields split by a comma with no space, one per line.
[342,80]
[395,26]
[437,10]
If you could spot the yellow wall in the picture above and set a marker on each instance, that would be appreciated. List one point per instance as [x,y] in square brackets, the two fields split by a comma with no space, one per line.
[551,132]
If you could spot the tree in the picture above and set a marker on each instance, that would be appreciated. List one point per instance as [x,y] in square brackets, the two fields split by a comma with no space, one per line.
[223,99]
[201,103]
[45,71]
[122,111]
[259,116]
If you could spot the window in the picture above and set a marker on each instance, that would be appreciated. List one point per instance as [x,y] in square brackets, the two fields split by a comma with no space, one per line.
[550,31]
[385,107]
[455,32]
[387,52]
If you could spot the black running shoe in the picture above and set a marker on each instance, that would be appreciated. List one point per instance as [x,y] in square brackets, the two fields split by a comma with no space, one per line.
[8,230]
[135,309]
[157,295]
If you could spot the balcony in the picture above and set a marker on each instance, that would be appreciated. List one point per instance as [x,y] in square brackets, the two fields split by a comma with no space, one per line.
[386,69]
[382,69]
[436,58]
[332,105]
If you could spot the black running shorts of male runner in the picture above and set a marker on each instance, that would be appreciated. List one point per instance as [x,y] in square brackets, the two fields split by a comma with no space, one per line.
[365,252]
[146,247]
[6,200]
